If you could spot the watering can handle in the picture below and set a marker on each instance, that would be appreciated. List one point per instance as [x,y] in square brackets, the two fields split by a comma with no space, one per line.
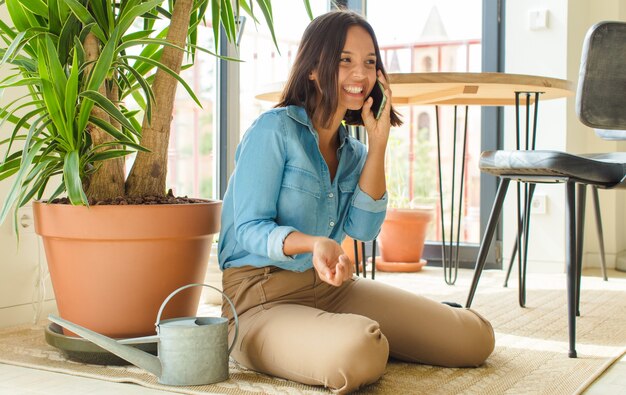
[232,306]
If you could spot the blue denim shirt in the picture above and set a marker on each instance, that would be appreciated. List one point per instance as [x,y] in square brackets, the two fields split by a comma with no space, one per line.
[281,184]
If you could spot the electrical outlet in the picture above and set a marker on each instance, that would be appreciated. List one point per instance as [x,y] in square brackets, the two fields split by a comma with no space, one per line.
[539,205]
[25,220]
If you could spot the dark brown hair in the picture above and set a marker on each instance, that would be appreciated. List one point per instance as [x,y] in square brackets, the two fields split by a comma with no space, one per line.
[320,50]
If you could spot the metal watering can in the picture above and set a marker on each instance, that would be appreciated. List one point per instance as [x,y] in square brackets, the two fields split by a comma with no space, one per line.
[191,350]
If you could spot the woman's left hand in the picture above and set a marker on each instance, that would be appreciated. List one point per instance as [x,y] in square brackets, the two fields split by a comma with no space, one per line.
[330,262]
[378,129]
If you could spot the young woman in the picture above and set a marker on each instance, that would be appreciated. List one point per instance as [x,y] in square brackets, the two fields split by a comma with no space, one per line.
[300,185]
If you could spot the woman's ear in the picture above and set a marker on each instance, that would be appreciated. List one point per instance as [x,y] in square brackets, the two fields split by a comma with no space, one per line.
[313,75]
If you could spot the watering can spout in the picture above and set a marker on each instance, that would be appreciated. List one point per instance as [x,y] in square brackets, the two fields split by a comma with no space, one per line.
[133,355]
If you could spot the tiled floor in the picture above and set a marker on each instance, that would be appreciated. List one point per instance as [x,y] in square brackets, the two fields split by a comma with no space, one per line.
[23,381]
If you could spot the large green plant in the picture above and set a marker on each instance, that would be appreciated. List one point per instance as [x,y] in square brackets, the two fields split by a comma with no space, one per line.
[79,60]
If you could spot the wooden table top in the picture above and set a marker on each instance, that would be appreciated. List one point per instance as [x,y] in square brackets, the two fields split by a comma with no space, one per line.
[483,89]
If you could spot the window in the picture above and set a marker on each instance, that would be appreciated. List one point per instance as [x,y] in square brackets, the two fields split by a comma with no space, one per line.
[263,65]
[191,158]
[442,35]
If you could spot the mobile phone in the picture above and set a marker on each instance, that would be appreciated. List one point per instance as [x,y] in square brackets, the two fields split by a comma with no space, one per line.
[378,94]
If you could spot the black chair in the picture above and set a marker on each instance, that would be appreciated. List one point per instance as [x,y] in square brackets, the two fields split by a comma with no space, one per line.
[600,104]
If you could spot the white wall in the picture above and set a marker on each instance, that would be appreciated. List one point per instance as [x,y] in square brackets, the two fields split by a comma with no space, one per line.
[539,52]
[555,52]
[20,273]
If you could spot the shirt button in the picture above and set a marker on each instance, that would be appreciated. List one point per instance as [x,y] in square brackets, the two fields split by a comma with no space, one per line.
[332,223]
[331,195]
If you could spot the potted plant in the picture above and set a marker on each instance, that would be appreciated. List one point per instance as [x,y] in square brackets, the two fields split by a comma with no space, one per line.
[410,212]
[121,253]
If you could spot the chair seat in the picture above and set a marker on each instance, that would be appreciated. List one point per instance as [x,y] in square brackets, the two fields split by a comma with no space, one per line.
[605,170]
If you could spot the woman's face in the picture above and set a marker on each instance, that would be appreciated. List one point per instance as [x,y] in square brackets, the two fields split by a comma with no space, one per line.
[357,69]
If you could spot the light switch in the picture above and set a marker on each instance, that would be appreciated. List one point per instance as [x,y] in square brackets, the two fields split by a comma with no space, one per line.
[538,19]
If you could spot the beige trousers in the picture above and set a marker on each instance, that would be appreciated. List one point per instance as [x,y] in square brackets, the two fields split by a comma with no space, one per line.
[294,325]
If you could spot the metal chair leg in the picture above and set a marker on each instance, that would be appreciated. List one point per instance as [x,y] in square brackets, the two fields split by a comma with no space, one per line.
[523,261]
[511,261]
[580,237]
[596,205]
[356,257]
[521,226]
[363,259]
[570,260]
[488,237]
[374,259]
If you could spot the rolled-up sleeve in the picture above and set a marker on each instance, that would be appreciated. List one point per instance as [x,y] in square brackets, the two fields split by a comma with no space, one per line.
[256,185]
[365,215]
[275,243]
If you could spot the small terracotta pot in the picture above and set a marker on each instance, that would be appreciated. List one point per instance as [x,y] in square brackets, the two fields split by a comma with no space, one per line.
[112,266]
[403,233]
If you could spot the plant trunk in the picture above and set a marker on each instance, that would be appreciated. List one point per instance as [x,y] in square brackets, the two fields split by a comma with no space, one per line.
[108,180]
[148,175]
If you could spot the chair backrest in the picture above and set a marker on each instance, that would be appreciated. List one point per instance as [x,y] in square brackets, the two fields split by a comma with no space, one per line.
[601,94]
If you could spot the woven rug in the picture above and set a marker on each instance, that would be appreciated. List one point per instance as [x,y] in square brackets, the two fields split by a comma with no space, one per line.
[530,355]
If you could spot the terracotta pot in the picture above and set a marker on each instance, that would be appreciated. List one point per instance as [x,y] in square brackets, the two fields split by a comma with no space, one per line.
[403,233]
[112,266]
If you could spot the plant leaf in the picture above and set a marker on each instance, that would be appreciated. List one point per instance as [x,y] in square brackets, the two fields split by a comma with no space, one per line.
[21,82]
[19,16]
[85,17]
[69,30]
[215,18]
[146,88]
[170,72]
[57,74]
[266,9]
[108,106]
[110,154]
[71,178]
[50,96]
[309,12]
[131,13]
[14,191]
[151,41]
[228,20]
[71,92]
[103,64]
[13,47]
[109,129]
[137,35]
[35,6]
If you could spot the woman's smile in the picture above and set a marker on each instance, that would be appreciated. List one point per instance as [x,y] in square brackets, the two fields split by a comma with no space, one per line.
[354,90]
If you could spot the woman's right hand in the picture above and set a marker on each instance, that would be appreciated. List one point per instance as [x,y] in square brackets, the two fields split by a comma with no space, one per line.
[378,129]
[330,262]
